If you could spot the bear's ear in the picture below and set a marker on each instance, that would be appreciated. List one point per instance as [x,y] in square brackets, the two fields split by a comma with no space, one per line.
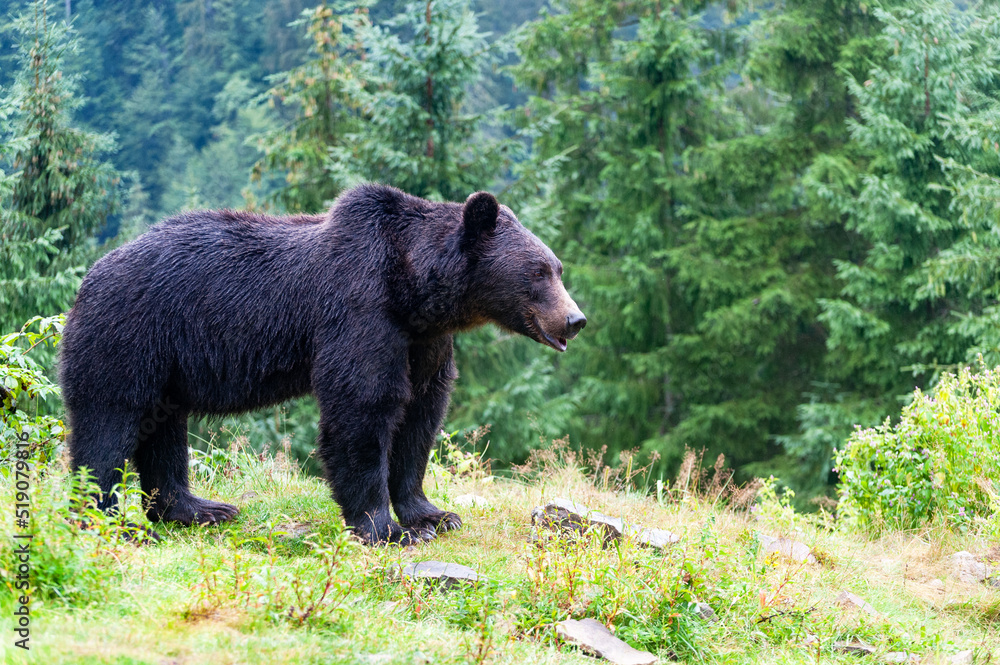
[479,216]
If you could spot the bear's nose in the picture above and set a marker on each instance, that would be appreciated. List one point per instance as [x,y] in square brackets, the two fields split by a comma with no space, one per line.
[575,323]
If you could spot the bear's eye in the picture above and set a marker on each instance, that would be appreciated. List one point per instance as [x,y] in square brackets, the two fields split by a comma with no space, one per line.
[538,274]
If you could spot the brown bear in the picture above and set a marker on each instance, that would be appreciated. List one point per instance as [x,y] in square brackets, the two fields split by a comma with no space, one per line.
[222,312]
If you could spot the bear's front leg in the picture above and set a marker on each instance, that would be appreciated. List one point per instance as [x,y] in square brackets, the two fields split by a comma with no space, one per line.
[361,403]
[432,373]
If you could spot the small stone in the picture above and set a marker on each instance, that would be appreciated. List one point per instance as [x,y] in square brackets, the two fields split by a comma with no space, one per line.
[855,647]
[594,638]
[705,611]
[935,584]
[966,568]
[655,538]
[246,496]
[787,547]
[849,600]
[896,657]
[293,529]
[445,574]
[961,658]
[471,501]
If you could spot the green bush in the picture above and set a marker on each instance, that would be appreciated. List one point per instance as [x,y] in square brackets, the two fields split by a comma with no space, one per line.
[941,460]
[40,503]
[27,396]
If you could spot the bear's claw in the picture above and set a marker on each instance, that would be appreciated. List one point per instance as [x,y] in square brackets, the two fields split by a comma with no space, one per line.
[437,522]
[194,511]
[395,535]
[449,522]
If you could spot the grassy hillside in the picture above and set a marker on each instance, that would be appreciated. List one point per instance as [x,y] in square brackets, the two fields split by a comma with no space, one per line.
[285,584]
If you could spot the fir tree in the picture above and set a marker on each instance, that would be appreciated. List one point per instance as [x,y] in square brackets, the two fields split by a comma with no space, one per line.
[60,194]
[317,112]
[416,130]
[919,294]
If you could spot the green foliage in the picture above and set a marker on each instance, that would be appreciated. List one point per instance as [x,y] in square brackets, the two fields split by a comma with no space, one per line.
[61,193]
[925,104]
[23,389]
[69,565]
[912,299]
[385,103]
[756,257]
[313,97]
[674,208]
[940,461]
[416,130]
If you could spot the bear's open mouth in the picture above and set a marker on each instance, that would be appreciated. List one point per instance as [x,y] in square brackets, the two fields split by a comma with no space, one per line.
[557,343]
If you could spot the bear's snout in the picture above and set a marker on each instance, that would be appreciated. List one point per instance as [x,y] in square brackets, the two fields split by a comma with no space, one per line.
[575,323]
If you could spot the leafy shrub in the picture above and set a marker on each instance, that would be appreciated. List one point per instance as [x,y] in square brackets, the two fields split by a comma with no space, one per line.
[941,460]
[69,564]
[24,390]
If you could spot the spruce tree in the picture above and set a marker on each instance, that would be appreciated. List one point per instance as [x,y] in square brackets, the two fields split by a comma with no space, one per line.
[622,93]
[416,129]
[315,111]
[59,192]
[918,295]
[757,256]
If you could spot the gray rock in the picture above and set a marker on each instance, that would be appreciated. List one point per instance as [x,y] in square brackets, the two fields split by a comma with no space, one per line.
[855,647]
[574,518]
[471,501]
[900,657]
[705,611]
[966,568]
[787,547]
[440,572]
[961,658]
[848,600]
[655,538]
[594,638]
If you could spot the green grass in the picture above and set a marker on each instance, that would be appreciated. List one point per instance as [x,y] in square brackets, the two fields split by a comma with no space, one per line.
[245,593]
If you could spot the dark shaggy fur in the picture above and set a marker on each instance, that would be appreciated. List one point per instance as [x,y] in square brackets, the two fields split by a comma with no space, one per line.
[225,312]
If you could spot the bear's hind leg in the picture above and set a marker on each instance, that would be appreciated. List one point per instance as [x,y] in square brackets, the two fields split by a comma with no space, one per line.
[162,461]
[432,373]
[101,440]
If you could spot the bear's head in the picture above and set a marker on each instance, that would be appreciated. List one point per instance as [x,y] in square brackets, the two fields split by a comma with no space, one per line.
[517,278]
